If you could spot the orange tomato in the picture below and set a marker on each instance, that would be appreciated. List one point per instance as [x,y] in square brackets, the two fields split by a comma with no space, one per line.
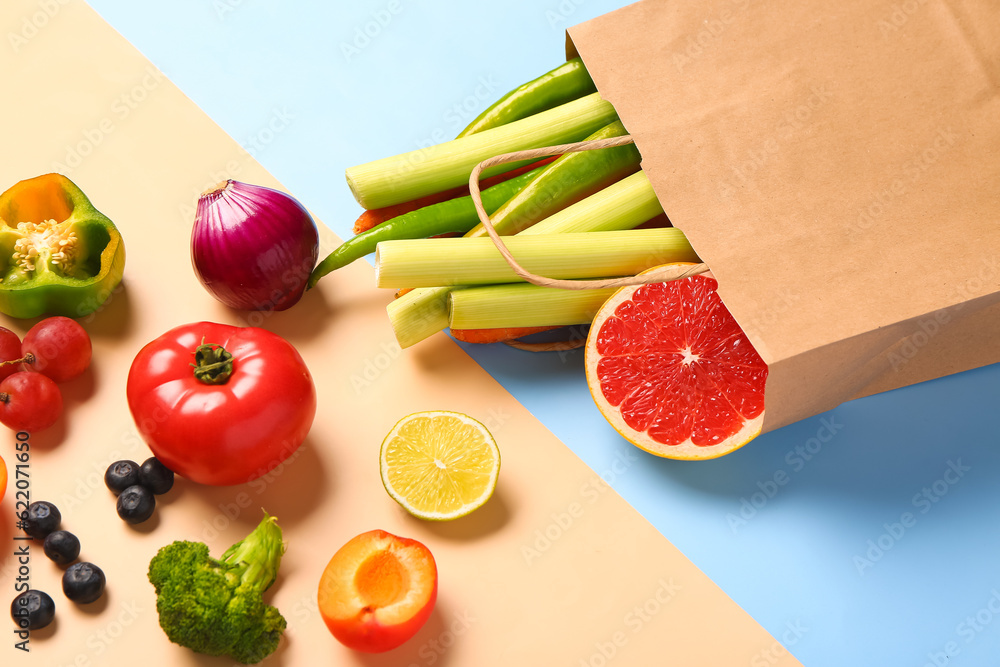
[3,478]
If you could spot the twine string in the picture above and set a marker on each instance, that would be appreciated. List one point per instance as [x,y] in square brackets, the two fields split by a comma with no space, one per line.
[657,275]
[554,346]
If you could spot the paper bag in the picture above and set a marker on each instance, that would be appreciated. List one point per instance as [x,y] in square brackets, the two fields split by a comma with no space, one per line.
[838,168]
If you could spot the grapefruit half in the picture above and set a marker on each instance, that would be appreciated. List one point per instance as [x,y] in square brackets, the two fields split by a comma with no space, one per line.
[673,373]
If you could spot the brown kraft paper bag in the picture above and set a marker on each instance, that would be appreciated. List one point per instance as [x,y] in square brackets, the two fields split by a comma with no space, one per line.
[837,165]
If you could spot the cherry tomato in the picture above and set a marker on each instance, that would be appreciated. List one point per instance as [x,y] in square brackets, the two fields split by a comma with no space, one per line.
[220,404]
[60,346]
[29,402]
[10,350]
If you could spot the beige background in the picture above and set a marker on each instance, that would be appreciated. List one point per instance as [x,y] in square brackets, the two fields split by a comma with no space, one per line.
[508,595]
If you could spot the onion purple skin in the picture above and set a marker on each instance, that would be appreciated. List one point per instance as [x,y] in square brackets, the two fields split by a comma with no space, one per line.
[253,247]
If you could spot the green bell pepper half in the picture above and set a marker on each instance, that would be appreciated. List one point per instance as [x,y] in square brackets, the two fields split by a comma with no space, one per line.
[58,254]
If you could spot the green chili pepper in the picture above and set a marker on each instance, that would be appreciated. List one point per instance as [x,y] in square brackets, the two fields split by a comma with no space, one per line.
[574,176]
[454,215]
[564,84]
[59,254]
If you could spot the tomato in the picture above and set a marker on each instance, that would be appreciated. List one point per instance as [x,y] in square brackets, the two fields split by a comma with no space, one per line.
[3,478]
[29,402]
[220,404]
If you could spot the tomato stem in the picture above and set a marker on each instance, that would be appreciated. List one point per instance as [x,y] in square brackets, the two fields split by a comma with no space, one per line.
[213,364]
[26,359]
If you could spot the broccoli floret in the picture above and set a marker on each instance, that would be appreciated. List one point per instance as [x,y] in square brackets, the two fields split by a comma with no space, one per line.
[215,606]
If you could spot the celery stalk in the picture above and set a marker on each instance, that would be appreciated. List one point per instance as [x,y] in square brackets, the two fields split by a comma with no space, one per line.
[523,305]
[569,179]
[476,261]
[626,204]
[400,178]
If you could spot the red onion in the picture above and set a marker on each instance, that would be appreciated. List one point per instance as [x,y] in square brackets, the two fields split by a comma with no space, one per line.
[253,247]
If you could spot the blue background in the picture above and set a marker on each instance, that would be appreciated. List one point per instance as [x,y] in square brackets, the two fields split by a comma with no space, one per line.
[791,555]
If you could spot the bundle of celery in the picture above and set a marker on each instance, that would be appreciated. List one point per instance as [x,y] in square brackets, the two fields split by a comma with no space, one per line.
[592,200]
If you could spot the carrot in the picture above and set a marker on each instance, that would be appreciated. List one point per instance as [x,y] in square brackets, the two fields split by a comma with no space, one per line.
[377,216]
[496,335]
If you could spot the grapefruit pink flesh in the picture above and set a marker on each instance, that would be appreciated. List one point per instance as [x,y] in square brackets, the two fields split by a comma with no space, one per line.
[675,365]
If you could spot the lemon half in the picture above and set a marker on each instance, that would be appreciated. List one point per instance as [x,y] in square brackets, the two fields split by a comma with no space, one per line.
[439,465]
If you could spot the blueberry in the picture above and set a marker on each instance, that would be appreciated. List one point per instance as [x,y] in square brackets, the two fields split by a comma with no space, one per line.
[136,504]
[121,475]
[83,582]
[32,610]
[41,519]
[155,476]
[62,547]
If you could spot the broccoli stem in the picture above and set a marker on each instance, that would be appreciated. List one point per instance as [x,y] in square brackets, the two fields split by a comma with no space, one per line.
[259,553]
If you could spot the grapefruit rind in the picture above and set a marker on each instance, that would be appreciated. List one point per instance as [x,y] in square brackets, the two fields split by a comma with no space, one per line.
[684,451]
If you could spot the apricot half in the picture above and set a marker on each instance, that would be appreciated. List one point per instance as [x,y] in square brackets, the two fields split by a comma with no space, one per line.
[377,591]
